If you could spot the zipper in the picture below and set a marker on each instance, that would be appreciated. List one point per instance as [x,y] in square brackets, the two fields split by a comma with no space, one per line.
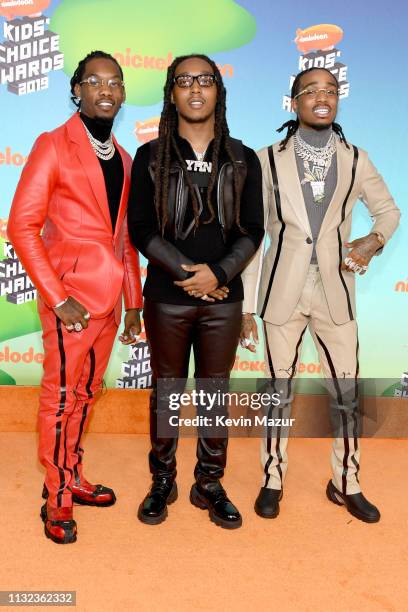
[179,191]
[219,204]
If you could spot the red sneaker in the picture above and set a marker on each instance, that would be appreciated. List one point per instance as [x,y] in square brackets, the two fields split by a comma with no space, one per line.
[88,494]
[59,524]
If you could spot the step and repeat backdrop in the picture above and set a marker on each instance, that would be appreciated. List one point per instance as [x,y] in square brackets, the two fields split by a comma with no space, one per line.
[259,46]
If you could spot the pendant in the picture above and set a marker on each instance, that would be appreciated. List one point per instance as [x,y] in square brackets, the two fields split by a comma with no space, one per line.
[318,191]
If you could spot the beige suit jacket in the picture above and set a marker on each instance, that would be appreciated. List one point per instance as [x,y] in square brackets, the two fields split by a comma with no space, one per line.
[273,281]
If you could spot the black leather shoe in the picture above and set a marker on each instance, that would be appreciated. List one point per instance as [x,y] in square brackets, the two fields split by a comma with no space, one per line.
[356,504]
[214,499]
[267,502]
[153,509]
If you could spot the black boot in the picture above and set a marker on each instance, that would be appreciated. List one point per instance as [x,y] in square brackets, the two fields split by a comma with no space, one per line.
[355,503]
[214,499]
[153,509]
[267,502]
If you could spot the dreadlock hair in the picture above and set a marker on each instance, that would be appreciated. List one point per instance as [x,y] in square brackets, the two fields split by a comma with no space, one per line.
[80,70]
[293,124]
[167,142]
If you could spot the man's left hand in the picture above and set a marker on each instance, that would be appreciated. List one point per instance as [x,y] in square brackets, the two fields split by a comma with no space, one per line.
[133,327]
[202,283]
[362,250]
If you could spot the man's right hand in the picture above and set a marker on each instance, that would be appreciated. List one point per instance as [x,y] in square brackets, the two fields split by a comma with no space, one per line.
[218,294]
[248,328]
[73,313]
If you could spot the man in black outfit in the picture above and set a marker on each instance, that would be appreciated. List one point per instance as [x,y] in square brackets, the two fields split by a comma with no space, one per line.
[195,212]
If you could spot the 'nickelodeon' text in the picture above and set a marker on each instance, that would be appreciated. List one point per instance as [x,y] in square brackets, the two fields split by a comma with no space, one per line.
[150,62]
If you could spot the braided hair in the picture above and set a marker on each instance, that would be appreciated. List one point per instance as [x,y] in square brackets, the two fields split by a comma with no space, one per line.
[80,71]
[167,143]
[293,124]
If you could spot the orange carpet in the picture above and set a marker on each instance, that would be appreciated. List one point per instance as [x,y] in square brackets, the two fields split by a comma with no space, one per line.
[313,557]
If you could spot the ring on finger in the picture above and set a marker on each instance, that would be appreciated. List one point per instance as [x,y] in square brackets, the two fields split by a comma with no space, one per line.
[69,327]
[78,326]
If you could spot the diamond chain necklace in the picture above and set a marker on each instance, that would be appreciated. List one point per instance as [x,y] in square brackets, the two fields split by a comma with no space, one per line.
[103,150]
[321,157]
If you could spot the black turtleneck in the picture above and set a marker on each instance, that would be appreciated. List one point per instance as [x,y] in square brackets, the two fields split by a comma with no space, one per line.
[112,169]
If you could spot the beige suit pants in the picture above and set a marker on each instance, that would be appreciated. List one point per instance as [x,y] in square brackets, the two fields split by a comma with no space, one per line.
[337,346]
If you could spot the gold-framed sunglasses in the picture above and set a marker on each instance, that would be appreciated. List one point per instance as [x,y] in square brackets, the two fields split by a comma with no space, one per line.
[310,92]
[95,82]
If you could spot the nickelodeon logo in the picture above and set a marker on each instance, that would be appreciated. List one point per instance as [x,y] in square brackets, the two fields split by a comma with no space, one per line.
[11,159]
[20,8]
[309,368]
[401,286]
[7,356]
[147,130]
[151,62]
[318,37]
[244,365]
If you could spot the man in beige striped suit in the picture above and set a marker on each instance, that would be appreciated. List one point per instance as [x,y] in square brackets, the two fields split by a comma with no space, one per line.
[311,182]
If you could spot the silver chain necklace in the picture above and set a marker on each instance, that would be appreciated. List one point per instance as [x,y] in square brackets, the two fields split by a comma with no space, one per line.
[321,158]
[200,156]
[103,150]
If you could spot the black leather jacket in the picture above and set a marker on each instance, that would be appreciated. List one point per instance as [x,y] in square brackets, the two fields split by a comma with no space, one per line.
[179,193]
[160,251]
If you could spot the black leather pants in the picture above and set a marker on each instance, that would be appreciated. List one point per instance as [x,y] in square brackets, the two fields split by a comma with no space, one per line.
[213,332]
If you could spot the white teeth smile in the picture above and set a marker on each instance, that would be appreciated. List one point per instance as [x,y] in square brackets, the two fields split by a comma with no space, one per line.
[196,103]
[321,110]
[107,104]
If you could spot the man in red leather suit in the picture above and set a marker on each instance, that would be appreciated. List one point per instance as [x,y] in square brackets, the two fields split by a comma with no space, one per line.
[74,191]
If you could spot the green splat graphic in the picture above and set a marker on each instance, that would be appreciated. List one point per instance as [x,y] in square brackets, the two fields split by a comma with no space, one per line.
[156,30]
[16,320]
[6,379]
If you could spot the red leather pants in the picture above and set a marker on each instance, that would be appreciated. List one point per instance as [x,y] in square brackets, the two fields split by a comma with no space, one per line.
[74,364]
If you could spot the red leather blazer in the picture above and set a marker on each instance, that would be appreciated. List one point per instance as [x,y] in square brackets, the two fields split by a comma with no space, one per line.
[60,225]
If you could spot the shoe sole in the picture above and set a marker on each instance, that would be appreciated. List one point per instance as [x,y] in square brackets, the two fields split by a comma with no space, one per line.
[160,518]
[335,499]
[200,502]
[68,539]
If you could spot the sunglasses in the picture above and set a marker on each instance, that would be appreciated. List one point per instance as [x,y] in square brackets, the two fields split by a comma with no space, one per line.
[187,80]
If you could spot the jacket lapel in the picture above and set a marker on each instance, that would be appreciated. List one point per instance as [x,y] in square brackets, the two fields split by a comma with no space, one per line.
[288,176]
[126,186]
[90,164]
[344,160]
